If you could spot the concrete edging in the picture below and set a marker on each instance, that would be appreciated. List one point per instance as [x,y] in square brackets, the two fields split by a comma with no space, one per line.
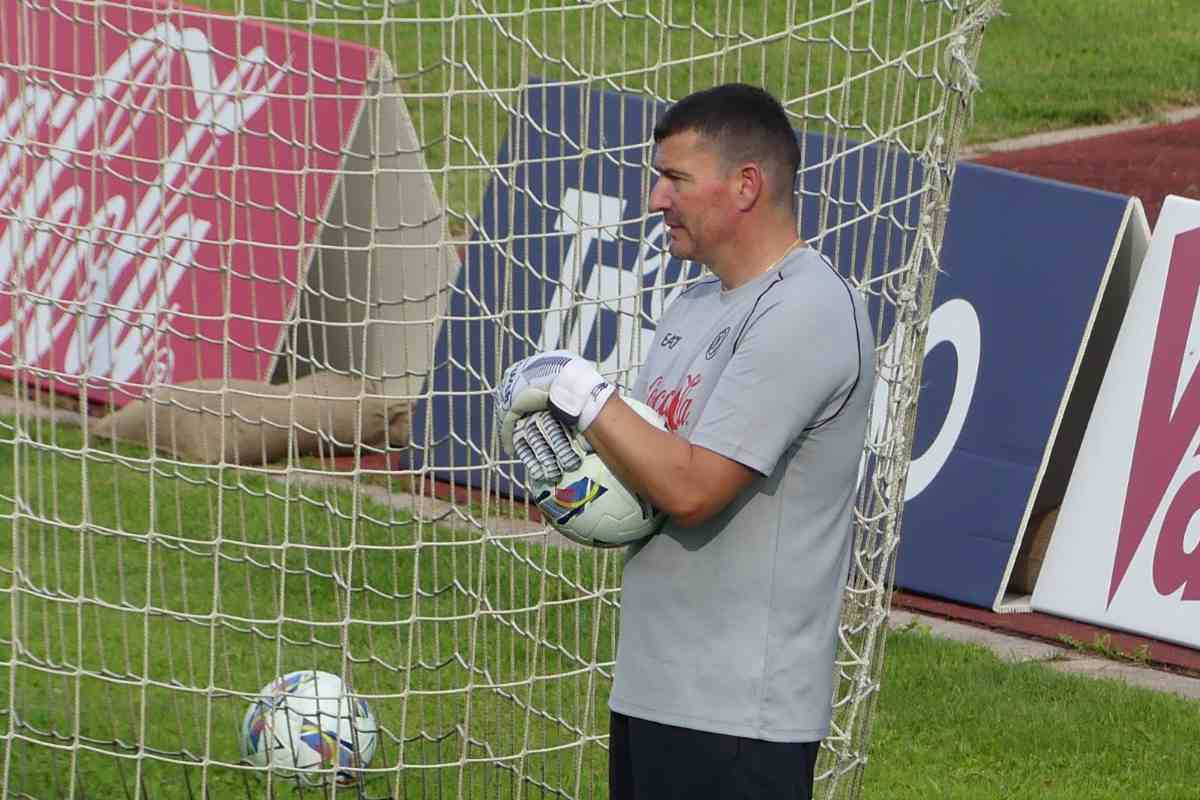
[1051,138]
[1017,650]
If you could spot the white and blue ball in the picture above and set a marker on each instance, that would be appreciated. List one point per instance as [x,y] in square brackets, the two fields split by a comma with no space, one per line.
[588,505]
[308,725]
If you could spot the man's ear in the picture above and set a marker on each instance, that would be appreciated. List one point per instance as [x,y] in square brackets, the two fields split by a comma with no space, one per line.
[750,186]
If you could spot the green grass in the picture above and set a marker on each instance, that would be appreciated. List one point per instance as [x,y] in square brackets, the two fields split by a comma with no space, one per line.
[954,722]
[1047,64]
[229,612]
[219,580]
[463,71]
[1052,64]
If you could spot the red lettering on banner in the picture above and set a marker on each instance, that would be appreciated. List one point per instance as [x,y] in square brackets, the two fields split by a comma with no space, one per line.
[1165,432]
[1173,566]
[675,405]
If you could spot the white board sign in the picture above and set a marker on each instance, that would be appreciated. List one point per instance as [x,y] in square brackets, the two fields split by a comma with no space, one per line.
[1126,549]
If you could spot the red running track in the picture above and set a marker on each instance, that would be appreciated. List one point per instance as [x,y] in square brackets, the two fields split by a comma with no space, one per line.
[1149,163]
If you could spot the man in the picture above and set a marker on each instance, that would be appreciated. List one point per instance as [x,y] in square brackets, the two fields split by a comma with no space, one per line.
[764,373]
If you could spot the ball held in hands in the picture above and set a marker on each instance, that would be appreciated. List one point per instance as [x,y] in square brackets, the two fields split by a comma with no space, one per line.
[590,506]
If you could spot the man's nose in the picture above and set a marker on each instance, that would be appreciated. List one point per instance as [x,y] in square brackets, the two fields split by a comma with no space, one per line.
[658,197]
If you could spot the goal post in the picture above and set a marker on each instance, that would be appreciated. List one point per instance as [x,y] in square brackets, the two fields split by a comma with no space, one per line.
[260,266]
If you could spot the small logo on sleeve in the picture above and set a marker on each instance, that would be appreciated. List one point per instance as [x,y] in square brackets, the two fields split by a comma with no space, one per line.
[669,340]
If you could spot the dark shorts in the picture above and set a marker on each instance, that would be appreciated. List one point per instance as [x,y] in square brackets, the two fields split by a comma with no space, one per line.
[651,761]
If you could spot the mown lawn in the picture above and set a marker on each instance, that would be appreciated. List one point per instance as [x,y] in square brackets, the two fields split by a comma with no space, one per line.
[1051,64]
[143,603]
[954,721]
[152,608]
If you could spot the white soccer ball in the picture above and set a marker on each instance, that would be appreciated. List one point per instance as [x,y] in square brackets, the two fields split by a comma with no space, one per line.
[308,725]
[590,506]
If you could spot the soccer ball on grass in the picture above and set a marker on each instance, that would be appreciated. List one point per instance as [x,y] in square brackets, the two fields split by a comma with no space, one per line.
[307,725]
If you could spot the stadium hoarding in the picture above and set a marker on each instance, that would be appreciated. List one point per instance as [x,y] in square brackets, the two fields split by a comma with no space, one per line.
[166,175]
[557,226]
[1126,548]
[1035,277]
[994,440]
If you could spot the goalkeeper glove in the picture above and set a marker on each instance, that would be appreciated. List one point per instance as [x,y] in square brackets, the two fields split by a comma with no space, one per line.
[546,447]
[559,381]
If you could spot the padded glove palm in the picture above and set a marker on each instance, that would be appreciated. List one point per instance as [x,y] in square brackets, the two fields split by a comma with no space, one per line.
[546,447]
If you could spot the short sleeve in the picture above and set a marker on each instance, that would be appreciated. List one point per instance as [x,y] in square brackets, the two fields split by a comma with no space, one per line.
[792,368]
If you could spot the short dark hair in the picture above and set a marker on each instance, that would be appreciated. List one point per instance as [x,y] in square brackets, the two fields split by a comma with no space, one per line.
[746,123]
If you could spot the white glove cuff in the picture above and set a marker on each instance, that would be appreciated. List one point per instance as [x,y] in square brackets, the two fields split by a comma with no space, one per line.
[596,400]
[578,394]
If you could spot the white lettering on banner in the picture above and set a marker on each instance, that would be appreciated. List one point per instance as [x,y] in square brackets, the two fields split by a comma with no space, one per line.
[146,249]
[27,110]
[1191,536]
[593,217]
[654,258]
[587,217]
[956,323]
[1163,494]
[122,345]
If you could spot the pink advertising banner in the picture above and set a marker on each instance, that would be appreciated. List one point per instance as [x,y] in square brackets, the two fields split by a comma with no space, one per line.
[163,177]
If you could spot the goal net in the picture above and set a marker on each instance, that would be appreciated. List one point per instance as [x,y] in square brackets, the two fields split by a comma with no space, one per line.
[261,264]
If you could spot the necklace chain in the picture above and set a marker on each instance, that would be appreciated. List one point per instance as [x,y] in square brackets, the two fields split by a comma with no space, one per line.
[774,263]
[786,253]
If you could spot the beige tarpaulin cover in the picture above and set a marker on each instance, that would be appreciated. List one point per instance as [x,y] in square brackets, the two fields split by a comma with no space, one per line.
[247,422]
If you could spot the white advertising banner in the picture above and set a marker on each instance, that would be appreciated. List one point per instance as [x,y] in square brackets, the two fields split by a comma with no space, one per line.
[1126,549]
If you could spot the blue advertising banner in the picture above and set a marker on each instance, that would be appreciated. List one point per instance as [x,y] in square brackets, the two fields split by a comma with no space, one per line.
[1024,261]
[566,256]
[560,226]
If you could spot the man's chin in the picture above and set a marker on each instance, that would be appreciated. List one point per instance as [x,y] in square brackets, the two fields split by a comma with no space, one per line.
[680,251]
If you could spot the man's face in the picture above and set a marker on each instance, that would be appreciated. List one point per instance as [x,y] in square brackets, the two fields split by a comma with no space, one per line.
[693,194]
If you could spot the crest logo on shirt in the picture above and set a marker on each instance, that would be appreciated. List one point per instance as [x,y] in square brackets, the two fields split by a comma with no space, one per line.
[717,341]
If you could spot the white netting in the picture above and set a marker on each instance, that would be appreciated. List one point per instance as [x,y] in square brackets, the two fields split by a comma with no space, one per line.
[250,192]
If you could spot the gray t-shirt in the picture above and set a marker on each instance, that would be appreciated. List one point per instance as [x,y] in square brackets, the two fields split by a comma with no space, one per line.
[731,626]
